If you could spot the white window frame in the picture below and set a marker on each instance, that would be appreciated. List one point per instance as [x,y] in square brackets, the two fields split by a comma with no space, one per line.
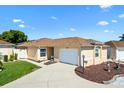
[97,47]
[43,52]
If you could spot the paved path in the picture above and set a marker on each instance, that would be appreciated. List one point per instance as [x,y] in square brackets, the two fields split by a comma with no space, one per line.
[54,75]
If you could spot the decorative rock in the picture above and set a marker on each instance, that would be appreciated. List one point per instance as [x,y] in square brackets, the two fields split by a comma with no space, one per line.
[113,79]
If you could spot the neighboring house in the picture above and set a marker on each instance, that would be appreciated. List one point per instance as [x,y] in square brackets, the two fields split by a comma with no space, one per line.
[67,50]
[116,50]
[6,48]
[21,51]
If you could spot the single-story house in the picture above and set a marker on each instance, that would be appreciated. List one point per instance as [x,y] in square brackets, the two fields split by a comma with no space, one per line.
[6,48]
[116,50]
[70,50]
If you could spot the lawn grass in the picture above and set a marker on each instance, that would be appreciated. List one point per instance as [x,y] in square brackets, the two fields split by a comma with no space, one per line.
[15,70]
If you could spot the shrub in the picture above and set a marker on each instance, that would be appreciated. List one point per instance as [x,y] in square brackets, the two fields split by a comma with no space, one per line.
[11,57]
[5,58]
[1,65]
[16,56]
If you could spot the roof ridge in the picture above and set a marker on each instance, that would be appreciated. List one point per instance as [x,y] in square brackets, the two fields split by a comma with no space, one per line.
[79,40]
[45,38]
[66,38]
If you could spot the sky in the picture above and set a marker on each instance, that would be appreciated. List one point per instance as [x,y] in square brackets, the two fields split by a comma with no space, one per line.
[99,22]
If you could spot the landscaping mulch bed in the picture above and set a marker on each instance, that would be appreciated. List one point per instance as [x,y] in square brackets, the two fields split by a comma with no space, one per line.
[98,73]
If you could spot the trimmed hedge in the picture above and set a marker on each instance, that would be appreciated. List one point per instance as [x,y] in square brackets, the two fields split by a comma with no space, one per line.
[11,57]
[1,65]
[5,58]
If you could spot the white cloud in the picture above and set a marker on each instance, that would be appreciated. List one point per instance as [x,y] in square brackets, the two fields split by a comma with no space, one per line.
[22,25]
[53,17]
[72,29]
[60,34]
[18,21]
[106,31]
[121,16]
[103,23]
[105,6]
[114,21]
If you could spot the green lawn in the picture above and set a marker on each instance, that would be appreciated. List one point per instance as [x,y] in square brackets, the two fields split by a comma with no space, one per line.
[15,70]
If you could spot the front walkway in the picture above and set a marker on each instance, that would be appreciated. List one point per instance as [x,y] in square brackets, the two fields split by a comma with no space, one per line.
[54,75]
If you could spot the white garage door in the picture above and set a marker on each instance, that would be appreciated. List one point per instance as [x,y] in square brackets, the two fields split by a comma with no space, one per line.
[121,54]
[69,56]
[23,53]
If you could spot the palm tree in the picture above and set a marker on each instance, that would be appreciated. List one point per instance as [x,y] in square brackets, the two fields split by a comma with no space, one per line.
[122,37]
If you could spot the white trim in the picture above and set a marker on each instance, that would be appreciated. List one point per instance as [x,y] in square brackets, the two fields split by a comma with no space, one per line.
[46,52]
[38,53]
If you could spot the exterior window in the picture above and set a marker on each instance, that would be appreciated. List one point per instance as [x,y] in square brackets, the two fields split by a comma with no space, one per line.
[3,46]
[97,51]
[42,52]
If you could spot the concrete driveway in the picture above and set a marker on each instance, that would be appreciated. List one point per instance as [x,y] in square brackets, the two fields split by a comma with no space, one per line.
[54,75]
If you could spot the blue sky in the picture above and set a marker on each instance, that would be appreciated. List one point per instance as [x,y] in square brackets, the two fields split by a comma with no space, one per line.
[102,23]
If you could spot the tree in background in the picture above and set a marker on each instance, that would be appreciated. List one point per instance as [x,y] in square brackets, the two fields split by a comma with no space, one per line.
[122,37]
[0,36]
[14,36]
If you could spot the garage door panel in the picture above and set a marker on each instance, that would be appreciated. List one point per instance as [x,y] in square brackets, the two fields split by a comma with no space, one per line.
[69,56]
[23,53]
[120,54]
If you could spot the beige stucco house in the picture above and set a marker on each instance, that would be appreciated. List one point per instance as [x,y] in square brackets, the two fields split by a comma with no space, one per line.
[116,50]
[70,50]
[6,48]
